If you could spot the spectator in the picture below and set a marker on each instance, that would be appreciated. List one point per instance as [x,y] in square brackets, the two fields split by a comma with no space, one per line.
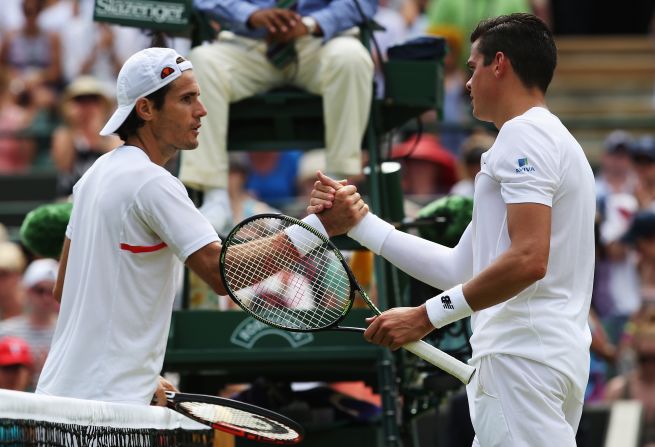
[616,294]
[469,162]
[243,203]
[12,264]
[102,59]
[456,19]
[31,54]
[314,47]
[642,236]
[394,32]
[76,143]
[15,364]
[272,175]
[616,169]
[429,169]
[639,383]
[643,157]
[16,151]
[416,21]
[37,324]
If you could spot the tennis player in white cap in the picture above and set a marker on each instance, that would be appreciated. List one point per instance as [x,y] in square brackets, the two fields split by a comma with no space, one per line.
[132,223]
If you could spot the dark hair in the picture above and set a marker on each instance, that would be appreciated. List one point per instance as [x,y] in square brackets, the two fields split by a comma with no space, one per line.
[134,121]
[525,40]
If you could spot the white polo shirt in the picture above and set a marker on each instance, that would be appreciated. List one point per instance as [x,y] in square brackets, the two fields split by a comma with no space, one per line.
[536,160]
[132,224]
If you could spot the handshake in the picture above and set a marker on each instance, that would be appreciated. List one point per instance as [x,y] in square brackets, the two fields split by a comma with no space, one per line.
[338,205]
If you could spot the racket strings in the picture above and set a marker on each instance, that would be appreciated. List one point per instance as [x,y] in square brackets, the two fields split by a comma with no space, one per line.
[273,281]
[242,420]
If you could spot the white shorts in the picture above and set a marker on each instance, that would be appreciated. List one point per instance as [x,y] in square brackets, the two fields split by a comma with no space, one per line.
[518,402]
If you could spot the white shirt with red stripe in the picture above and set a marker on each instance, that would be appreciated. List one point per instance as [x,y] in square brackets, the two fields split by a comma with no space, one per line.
[132,226]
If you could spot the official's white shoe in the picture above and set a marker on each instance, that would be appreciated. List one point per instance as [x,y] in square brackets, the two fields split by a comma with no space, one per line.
[216,208]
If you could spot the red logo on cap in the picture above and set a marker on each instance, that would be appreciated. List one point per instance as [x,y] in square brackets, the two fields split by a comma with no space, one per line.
[167,71]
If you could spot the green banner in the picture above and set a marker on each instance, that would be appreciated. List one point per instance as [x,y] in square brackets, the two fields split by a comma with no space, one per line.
[161,15]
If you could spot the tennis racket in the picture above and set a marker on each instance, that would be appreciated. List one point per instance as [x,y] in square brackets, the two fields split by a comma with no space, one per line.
[287,274]
[237,418]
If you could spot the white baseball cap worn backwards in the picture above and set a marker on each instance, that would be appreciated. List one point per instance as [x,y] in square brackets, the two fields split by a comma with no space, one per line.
[143,73]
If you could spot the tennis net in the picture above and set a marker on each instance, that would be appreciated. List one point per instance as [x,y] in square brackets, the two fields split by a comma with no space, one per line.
[36,420]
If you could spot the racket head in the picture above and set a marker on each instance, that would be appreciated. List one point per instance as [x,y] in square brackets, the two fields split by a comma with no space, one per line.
[237,418]
[297,293]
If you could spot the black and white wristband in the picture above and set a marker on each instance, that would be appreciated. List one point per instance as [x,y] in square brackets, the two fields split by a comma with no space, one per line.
[448,307]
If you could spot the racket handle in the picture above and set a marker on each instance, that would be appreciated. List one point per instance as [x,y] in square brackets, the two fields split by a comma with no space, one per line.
[441,360]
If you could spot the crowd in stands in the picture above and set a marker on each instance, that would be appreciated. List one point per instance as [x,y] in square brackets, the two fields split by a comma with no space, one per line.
[57,79]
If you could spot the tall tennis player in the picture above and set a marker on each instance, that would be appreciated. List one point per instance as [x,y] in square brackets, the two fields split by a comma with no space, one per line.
[523,269]
[132,227]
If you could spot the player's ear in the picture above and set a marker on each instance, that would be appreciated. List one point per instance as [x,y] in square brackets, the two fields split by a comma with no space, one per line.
[500,63]
[144,108]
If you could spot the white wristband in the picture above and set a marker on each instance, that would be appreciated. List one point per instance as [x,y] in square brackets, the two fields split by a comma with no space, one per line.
[371,232]
[303,240]
[447,307]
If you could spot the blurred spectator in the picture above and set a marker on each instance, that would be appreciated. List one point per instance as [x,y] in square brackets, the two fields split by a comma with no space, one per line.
[31,54]
[639,383]
[456,19]
[429,169]
[15,364]
[76,143]
[470,156]
[12,264]
[416,21]
[16,151]
[100,58]
[643,156]
[603,352]
[37,325]
[642,236]
[616,294]
[11,17]
[394,32]
[241,200]
[616,173]
[272,176]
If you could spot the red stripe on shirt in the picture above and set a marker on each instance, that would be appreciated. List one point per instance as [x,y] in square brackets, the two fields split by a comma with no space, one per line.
[142,248]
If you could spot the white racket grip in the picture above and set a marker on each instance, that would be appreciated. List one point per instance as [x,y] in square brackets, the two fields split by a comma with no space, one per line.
[441,360]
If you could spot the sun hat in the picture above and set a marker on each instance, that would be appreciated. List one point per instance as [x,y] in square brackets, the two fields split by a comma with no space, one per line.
[142,74]
[14,351]
[11,257]
[85,85]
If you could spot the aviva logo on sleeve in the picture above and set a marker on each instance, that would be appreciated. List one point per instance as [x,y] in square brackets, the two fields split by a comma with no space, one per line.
[524,166]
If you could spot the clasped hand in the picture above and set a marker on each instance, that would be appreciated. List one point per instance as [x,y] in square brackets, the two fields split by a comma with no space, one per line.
[283,25]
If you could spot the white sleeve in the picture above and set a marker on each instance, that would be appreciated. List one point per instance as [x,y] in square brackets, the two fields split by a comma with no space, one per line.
[526,163]
[167,209]
[434,264]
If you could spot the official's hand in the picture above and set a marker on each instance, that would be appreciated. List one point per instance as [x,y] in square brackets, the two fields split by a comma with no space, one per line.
[398,326]
[322,196]
[274,20]
[159,399]
[289,35]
